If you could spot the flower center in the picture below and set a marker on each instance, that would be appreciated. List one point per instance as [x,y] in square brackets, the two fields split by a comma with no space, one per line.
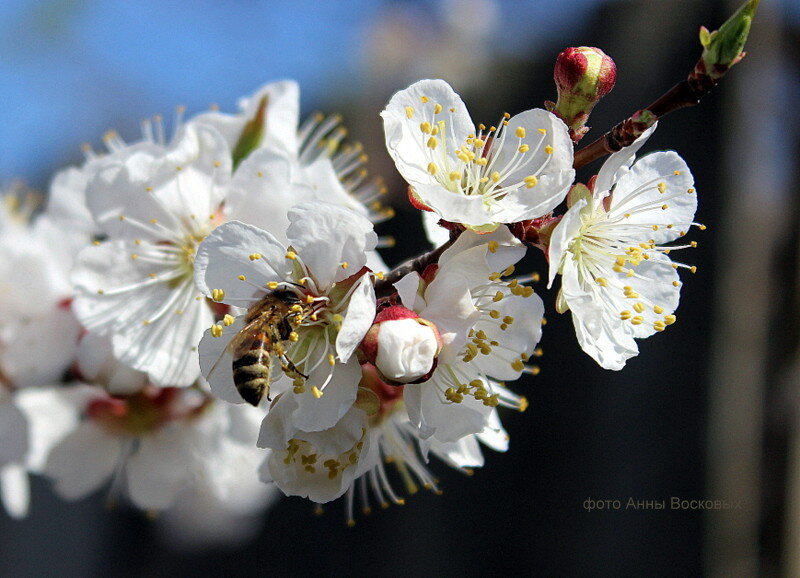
[480,165]
[146,411]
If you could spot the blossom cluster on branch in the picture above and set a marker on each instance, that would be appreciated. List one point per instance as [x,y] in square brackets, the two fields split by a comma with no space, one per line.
[203,318]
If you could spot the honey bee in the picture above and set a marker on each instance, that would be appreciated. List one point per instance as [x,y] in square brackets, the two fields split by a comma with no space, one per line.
[268,325]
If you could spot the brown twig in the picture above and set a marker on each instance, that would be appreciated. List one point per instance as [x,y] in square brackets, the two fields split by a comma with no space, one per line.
[384,286]
[686,93]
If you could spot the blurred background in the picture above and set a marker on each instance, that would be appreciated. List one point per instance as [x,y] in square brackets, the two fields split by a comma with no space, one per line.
[709,410]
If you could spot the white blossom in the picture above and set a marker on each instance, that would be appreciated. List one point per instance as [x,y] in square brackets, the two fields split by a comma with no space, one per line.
[611,249]
[480,177]
[332,299]
[489,328]
[152,445]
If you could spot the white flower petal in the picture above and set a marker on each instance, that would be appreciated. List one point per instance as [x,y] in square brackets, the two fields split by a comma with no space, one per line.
[82,461]
[316,414]
[358,319]
[225,255]
[637,194]
[13,433]
[494,435]
[437,235]
[56,333]
[52,413]
[408,289]
[617,164]
[216,361]
[281,116]
[566,230]
[464,453]
[265,186]
[326,236]
[160,467]
[403,137]
[15,490]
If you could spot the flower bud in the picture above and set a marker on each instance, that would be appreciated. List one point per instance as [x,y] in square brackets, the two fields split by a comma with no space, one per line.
[402,345]
[583,76]
[724,47]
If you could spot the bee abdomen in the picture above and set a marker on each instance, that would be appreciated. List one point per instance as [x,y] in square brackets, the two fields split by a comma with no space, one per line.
[251,377]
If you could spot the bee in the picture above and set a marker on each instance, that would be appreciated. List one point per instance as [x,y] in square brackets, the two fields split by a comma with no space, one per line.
[268,325]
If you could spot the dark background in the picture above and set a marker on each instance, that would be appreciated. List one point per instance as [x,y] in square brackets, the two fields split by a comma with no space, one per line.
[642,433]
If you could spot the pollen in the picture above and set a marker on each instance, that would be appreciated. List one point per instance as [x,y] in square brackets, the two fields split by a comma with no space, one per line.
[217,295]
[318,394]
[228,320]
[272,285]
[309,299]
[423,99]
[602,282]
[524,148]
[662,187]
[548,149]
[520,132]
[432,169]
[331,359]
[242,278]
[294,337]
[344,264]
[409,112]
[433,142]
[425,127]
[437,108]
[255,256]
[531,181]
[291,255]
[454,176]
[493,245]
[670,319]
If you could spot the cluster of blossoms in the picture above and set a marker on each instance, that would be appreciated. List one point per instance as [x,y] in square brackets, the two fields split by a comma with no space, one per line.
[196,320]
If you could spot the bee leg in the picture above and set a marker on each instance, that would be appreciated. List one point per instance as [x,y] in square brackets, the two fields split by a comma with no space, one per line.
[292,367]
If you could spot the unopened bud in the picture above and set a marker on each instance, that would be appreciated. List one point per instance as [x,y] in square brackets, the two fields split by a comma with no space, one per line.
[402,345]
[583,76]
[724,47]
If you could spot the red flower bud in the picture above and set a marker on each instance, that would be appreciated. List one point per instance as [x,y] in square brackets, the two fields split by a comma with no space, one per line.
[583,76]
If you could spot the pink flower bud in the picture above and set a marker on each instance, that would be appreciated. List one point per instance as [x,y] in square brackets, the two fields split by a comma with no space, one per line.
[583,76]
[402,345]
[585,71]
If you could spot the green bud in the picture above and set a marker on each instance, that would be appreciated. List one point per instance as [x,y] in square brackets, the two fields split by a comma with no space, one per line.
[724,47]
[252,133]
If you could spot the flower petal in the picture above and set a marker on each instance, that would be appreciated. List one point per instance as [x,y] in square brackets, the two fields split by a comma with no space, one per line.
[327,237]
[358,318]
[404,139]
[225,255]
[82,461]
[638,194]
[616,165]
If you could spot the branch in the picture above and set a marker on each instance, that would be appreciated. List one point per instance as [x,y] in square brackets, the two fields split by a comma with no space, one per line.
[721,50]
[384,286]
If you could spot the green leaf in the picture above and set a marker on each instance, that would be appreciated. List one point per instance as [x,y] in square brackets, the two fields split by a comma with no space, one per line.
[252,133]
[724,47]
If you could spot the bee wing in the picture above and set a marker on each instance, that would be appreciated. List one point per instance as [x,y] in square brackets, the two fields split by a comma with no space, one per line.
[216,357]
